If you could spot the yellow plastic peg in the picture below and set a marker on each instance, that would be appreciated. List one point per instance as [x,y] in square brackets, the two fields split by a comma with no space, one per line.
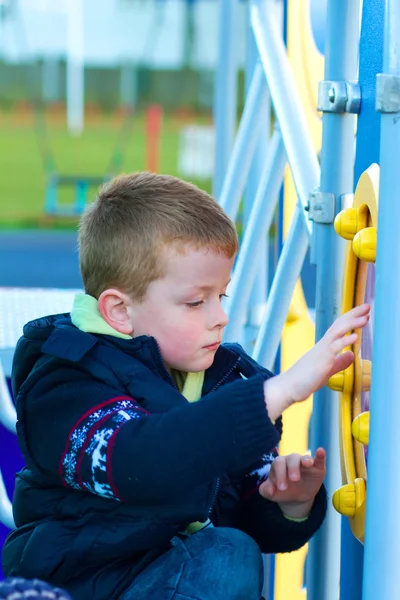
[342,381]
[360,428]
[364,244]
[346,223]
[349,498]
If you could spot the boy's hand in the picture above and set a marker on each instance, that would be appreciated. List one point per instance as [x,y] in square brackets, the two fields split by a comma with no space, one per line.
[294,481]
[312,371]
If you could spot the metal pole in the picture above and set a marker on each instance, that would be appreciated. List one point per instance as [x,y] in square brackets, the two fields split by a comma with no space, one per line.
[247,266]
[75,68]
[280,295]
[337,164]
[245,144]
[367,152]
[128,85]
[258,295]
[225,100]
[381,563]
[292,122]
[51,80]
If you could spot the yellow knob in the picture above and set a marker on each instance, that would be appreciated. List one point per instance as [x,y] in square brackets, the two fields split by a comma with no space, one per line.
[366,369]
[344,500]
[349,498]
[360,428]
[364,244]
[346,223]
[342,381]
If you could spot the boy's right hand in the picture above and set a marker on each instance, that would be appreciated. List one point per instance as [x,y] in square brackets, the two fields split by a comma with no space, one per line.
[312,371]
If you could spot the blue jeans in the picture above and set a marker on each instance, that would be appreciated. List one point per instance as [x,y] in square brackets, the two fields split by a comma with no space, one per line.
[213,564]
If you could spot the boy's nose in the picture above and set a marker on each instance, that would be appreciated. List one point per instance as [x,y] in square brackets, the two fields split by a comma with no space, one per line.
[219,318]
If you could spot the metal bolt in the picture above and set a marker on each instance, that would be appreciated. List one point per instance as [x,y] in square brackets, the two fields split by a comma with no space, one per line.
[331,95]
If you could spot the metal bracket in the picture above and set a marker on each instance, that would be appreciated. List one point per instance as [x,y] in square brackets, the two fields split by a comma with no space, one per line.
[387,93]
[321,207]
[339,96]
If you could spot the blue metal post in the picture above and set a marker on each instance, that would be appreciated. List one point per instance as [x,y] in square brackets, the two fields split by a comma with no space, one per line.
[337,164]
[280,295]
[245,144]
[381,565]
[367,152]
[225,98]
[247,265]
[287,106]
[260,286]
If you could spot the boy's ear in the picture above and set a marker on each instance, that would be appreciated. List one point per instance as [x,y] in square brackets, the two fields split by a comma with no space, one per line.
[114,308]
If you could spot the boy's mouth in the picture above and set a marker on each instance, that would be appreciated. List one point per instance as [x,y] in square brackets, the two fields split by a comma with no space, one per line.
[212,346]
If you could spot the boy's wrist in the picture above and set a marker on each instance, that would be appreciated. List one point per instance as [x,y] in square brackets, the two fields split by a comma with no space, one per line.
[276,396]
[296,510]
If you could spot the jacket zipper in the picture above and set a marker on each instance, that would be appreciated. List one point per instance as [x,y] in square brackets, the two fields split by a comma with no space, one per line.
[166,374]
[216,490]
[225,377]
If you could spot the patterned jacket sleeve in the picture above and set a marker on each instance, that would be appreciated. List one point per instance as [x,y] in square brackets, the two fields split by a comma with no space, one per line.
[89,437]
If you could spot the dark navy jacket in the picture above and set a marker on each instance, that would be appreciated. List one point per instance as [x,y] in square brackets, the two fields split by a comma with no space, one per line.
[118,462]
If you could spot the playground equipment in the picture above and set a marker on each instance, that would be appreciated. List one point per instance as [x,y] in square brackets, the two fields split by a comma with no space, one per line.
[359,225]
[324,195]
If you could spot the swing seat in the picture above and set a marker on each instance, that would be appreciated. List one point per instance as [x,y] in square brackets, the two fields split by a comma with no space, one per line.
[81,184]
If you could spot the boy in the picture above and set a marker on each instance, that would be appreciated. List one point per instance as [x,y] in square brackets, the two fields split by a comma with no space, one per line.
[135,489]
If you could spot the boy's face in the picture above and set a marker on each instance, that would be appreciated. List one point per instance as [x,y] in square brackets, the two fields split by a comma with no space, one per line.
[182,310]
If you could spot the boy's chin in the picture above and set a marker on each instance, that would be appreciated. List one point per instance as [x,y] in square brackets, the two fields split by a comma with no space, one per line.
[197,366]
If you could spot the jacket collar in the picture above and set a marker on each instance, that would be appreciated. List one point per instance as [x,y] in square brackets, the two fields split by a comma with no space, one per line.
[57,336]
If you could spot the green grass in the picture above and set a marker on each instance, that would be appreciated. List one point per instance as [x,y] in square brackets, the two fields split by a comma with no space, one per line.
[22,173]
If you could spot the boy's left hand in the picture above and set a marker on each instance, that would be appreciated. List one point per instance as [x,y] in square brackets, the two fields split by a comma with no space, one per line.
[294,481]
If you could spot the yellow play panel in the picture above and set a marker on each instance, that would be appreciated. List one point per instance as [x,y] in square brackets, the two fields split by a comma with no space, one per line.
[358,225]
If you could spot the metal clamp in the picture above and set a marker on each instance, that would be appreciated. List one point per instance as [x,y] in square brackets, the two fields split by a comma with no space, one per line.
[339,97]
[321,207]
[387,93]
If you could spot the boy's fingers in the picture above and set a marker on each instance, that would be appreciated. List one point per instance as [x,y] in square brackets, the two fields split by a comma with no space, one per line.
[354,319]
[320,459]
[280,472]
[268,489]
[342,362]
[307,461]
[294,466]
[342,343]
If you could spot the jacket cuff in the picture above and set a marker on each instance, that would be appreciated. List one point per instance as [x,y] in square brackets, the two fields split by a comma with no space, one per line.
[255,431]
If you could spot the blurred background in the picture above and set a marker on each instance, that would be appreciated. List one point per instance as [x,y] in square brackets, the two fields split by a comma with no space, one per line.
[91,89]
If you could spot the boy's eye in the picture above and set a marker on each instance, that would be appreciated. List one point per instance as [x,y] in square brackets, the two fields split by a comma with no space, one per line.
[194,304]
[199,302]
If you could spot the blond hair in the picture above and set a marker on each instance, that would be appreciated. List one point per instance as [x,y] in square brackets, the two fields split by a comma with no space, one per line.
[122,233]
